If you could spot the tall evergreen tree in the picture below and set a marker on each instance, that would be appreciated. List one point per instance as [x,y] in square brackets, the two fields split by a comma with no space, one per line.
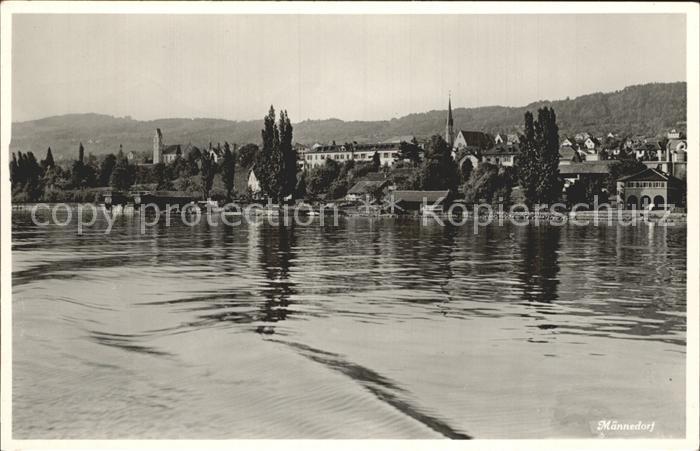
[106,168]
[48,162]
[248,154]
[547,135]
[268,167]
[28,175]
[14,172]
[78,169]
[538,162]
[289,156]
[276,163]
[208,170]
[527,161]
[228,170]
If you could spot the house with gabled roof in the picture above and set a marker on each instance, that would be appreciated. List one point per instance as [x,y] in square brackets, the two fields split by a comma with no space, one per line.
[475,139]
[649,189]
[501,155]
[568,155]
[364,188]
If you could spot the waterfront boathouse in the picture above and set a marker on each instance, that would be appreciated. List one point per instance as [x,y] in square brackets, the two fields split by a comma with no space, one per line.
[649,187]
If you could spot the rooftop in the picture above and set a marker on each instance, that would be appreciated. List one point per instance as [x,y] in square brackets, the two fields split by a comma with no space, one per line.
[364,186]
[649,175]
[586,167]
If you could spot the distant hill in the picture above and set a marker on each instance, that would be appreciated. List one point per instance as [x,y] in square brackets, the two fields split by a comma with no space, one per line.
[643,109]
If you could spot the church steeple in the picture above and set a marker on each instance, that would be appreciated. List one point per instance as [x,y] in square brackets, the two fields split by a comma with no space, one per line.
[449,130]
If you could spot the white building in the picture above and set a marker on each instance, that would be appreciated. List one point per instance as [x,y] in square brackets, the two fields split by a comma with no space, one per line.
[317,156]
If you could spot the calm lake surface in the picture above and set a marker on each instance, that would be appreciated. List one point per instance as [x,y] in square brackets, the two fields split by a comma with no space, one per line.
[377,328]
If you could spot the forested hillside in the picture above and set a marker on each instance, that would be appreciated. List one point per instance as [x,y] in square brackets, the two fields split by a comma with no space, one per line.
[644,109]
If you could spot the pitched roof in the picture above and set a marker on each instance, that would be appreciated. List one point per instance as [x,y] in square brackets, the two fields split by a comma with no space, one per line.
[418,196]
[477,139]
[649,175]
[364,186]
[374,176]
[398,139]
[568,153]
[585,167]
[172,148]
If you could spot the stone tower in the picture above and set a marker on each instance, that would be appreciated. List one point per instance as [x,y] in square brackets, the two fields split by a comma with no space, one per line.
[449,128]
[157,146]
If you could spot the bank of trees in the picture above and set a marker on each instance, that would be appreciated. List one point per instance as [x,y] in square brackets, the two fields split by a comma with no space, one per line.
[83,179]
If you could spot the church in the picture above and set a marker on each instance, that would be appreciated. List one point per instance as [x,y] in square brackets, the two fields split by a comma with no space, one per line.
[163,153]
[467,144]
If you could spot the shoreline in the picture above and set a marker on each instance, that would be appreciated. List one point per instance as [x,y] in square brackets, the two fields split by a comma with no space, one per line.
[602,215]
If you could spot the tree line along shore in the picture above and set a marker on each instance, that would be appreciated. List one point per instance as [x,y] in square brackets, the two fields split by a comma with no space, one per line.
[223,175]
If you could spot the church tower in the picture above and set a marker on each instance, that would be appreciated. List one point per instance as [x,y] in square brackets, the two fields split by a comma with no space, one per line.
[157,146]
[449,129]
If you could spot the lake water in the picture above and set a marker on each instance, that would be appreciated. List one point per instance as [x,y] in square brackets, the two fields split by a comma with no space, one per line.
[377,328]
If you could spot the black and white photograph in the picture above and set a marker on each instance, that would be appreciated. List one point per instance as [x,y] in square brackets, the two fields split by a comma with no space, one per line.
[233,221]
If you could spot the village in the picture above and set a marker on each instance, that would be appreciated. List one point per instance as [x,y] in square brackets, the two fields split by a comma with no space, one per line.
[628,172]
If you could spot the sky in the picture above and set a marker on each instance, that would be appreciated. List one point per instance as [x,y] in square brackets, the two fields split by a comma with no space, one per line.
[351,67]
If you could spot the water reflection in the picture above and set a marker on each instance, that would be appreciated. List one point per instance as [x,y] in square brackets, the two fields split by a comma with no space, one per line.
[539,264]
[276,261]
[387,321]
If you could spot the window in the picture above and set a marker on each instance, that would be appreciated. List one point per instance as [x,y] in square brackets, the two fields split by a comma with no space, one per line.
[362,156]
[386,154]
[323,157]
[342,156]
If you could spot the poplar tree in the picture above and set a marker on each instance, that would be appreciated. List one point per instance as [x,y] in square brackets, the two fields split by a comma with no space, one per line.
[289,156]
[228,169]
[268,169]
[538,162]
[78,169]
[276,164]
[208,171]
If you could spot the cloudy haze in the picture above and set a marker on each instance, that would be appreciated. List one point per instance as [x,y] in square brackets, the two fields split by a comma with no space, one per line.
[349,67]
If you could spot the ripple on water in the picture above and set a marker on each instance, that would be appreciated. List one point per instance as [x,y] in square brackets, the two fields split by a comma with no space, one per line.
[374,329]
